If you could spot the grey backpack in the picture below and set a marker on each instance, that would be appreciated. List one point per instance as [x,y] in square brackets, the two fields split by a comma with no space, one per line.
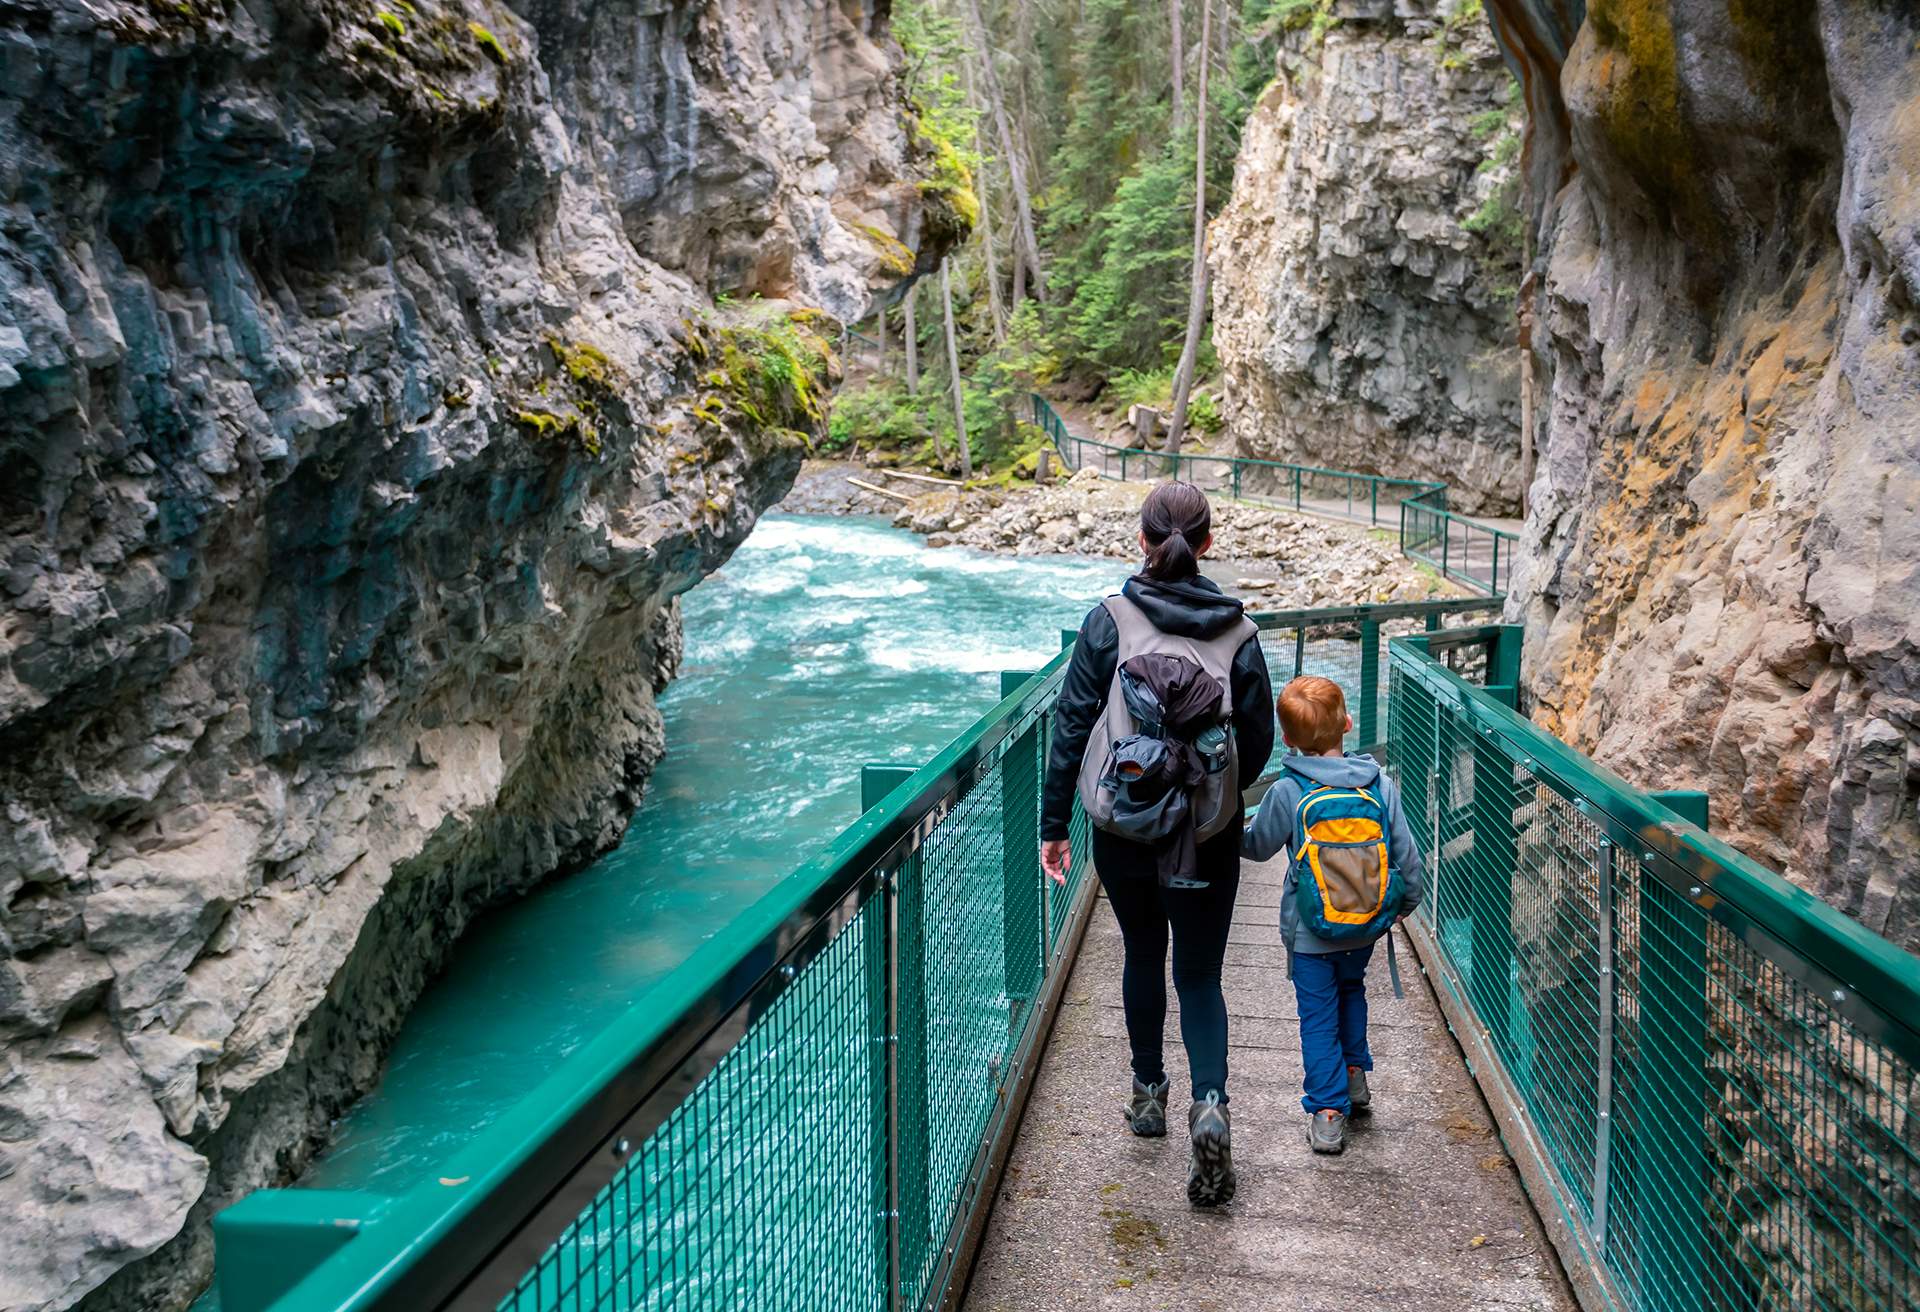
[1124,752]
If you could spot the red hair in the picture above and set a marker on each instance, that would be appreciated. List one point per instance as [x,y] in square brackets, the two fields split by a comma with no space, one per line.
[1313,714]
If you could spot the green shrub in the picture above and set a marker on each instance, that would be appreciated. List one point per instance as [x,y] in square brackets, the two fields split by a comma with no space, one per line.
[879,412]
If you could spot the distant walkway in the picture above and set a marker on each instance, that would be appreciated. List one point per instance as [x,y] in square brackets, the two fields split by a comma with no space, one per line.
[1477,552]
[1423,1213]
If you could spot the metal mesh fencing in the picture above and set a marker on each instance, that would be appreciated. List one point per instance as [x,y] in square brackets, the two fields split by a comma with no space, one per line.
[1462,549]
[1725,1126]
[838,1144]
[726,1204]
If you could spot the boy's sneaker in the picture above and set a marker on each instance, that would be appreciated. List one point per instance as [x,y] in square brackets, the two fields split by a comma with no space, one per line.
[1210,1178]
[1327,1131]
[1358,1095]
[1147,1111]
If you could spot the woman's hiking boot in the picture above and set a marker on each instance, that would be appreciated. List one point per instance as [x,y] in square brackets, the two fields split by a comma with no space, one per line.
[1147,1111]
[1359,1097]
[1210,1178]
[1327,1131]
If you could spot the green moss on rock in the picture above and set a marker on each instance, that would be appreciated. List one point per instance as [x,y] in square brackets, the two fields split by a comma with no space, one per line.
[559,426]
[952,207]
[895,255]
[1644,118]
[489,43]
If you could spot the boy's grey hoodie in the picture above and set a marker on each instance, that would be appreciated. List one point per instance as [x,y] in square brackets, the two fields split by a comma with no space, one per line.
[1272,832]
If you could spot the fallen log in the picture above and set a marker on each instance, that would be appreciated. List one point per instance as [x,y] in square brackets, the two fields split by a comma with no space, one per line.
[877,490]
[922,478]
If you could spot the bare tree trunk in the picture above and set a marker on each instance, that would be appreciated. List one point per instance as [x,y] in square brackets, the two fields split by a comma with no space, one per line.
[1529,294]
[953,372]
[997,311]
[1177,126]
[1197,299]
[913,341]
[1028,243]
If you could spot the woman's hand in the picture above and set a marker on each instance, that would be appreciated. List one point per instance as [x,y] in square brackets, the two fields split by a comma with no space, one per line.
[1056,858]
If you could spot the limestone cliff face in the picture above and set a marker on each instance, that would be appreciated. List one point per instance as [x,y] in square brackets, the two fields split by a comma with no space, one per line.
[1721,572]
[1364,270]
[362,411]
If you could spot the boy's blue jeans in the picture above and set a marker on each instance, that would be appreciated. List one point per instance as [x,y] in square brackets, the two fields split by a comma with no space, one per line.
[1330,990]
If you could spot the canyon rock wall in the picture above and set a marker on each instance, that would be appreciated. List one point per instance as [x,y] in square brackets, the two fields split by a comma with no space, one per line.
[363,409]
[1720,576]
[1365,268]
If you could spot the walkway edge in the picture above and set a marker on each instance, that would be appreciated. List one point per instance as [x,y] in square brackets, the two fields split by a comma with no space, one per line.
[1580,1265]
[991,1165]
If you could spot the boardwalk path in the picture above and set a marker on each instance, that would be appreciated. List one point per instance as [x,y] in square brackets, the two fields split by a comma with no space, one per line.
[1422,1214]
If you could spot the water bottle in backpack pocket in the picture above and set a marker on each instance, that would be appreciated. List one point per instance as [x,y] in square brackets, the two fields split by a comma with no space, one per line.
[1345,888]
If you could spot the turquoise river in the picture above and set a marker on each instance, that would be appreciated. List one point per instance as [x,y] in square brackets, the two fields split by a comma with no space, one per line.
[823,643]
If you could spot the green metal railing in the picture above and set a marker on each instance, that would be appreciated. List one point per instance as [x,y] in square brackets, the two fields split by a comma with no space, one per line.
[808,1113]
[811,1111]
[1708,1076]
[1460,548]
[1348,644]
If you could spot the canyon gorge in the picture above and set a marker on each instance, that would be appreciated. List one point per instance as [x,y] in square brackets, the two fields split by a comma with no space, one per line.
[373,380]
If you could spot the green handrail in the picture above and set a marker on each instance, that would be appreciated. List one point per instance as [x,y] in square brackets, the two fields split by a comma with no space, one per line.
[1424,517]
[505,1220]
[1707,1073]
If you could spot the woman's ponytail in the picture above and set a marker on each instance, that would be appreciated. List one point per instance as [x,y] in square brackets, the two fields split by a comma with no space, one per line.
[1176,521]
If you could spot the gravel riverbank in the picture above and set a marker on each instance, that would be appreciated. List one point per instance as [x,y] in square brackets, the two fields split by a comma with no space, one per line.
[1283,560]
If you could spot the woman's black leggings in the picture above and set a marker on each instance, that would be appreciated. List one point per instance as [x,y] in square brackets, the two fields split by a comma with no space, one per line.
[1199,919]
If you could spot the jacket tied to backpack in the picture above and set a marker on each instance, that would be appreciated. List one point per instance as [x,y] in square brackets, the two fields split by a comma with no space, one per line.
[1160,767]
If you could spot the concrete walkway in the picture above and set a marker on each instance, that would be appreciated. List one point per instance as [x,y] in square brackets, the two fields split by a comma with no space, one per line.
[1423,1213]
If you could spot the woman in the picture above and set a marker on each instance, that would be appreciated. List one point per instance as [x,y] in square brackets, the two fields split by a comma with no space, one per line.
[1167,607]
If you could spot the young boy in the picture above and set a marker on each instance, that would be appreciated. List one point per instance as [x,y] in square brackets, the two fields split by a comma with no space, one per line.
[1329,978]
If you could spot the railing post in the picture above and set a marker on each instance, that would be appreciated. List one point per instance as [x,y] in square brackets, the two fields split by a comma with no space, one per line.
[1496,852]
[1669,1099]
[1369,683]
[1373,501]
[1021,940]
[1603,1086]
[1236,480]
[912,1134]
[883,1115]
[1446,547]
[272,1239]
[1299,650]
[877,780]
[1296,487]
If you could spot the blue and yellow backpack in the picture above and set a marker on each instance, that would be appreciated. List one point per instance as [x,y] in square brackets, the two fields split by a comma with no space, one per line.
[1344,886]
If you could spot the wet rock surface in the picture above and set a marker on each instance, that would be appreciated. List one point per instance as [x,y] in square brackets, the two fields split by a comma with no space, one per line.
[1720,576]
[1276,559]
[1362,282]
[357,435]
